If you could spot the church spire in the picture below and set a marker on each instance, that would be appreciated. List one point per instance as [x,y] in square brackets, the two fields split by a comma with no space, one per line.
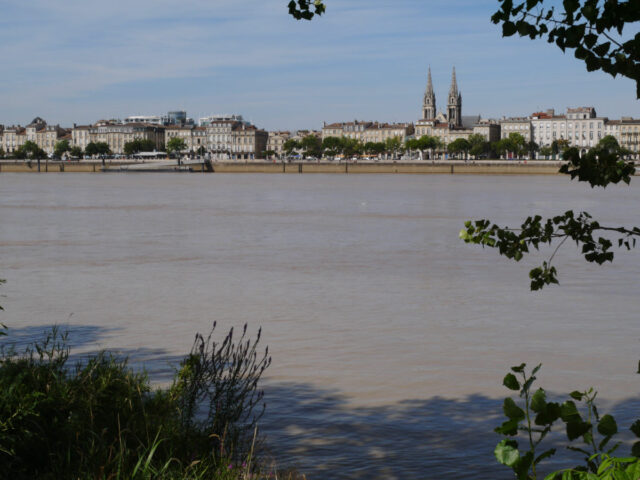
[454,84]
[429,83]
[429,102]
[454,103]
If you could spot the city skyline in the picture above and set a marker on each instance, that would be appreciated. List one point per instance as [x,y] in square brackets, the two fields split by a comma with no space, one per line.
[81,61]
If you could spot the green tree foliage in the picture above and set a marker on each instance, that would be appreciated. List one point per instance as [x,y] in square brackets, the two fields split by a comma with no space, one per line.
[176,144]
[290,146]
[599,167]
[61,147]
[97,148]
[593,29]
[305,9]
[30,150]
[332,146]
[459,146]
[478,145]
[2,152]
[546,151]
[311,146]
[393,146]
[75,152]
[139,145]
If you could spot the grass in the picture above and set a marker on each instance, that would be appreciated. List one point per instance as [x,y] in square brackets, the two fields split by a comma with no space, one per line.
[99,419]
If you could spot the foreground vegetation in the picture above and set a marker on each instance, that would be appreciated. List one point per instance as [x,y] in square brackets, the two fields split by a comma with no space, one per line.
[99,419]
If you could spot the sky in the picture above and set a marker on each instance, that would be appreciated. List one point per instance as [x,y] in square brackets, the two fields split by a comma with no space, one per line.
[78,61]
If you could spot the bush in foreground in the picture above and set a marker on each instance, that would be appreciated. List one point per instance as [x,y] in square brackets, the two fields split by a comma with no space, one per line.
[99,419]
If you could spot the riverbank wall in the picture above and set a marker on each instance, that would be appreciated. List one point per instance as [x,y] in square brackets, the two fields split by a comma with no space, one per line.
[442,168]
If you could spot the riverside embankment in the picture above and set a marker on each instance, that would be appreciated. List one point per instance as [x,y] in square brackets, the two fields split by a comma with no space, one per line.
[487,167]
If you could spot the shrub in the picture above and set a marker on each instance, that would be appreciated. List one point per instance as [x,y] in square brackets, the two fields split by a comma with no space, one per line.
[101,419]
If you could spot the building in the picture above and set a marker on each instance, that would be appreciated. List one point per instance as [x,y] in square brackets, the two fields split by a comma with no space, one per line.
[116,134]
[451,125]
[580,127]
[368,131]
[629,136]
[38,131]
[381,132]
[276,141]
[177,117]
[230,138]
[13,138]
[521,125]
[195,138]
[219,137]
[81,136]
[248,142]
[205,121]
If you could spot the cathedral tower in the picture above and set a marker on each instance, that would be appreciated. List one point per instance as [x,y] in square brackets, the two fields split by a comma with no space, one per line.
[454,104]
[429,102]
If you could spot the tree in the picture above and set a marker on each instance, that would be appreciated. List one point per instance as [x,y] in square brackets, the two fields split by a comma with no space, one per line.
[2,154]
[290,146]
[75,152]
[30,150]
[311,146]
[393,145]
[478,145]
[459,145]
[546,151]
[599,167]
[332,146]
[61,147]
[351,147]
[140,145]
[97,148]
[532,147]
[175,145]
[592,28]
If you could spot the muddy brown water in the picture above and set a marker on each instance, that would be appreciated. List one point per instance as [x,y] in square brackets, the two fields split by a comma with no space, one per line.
[389,336]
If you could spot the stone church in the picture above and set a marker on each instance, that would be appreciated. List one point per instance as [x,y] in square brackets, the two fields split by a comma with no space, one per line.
[450,125]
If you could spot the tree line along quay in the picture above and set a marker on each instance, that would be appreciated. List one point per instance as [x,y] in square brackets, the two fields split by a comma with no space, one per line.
[444,134]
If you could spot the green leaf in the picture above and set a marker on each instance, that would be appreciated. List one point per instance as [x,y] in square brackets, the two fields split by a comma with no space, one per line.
[508,29]
[511,410]
[569,411]
[607,426]
[549,415]
[509,428]
[519,368]
[571,6]
[577,429]
[506,453]
[576,395]
[635,449]
[635,428]
[538,401]
[511,382]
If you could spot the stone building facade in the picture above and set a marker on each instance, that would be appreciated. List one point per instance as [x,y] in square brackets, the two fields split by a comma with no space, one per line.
[581,127]
[275,142]
[629,136]
[521,125]
[116,134]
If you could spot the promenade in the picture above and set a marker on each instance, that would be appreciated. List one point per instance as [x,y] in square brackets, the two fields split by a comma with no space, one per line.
[483,167]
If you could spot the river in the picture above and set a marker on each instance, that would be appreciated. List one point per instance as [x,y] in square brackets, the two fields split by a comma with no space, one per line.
[389,336]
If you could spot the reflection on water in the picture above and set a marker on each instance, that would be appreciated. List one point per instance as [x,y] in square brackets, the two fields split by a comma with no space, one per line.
[389,336]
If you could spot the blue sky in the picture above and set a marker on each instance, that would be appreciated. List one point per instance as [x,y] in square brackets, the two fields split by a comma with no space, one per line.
[81,60]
